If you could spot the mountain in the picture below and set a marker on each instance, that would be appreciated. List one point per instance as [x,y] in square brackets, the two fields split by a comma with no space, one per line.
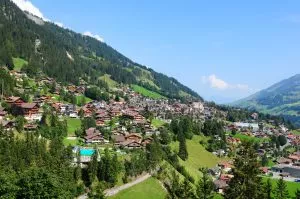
[282,98]
[68,56]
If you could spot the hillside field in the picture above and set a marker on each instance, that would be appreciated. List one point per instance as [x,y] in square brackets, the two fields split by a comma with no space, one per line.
[198,156]
[149,189]
[19,63]
[147,93]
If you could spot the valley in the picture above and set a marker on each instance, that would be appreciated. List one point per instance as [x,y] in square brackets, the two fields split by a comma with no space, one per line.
[78,119]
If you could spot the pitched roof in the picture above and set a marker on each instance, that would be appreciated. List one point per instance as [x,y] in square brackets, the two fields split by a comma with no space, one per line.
[28,105]
[118,138]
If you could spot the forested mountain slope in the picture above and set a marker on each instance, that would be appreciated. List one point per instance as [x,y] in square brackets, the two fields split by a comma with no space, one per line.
[282,98]
[67,55]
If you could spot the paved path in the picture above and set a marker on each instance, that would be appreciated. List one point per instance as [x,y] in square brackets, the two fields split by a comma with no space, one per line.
[115,190]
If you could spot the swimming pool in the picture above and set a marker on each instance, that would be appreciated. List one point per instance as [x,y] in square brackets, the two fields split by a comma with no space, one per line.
[87,152]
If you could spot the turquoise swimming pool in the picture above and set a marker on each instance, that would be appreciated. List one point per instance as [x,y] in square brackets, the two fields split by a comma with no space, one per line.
[87,152]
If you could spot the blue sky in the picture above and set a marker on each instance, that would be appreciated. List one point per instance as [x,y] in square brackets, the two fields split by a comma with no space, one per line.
[224,50]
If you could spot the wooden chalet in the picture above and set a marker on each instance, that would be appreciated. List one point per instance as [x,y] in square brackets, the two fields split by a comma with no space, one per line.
[131,144]
[2,113]
[17,101]
[29,109]
[134,136]
[6,124]
[93,136]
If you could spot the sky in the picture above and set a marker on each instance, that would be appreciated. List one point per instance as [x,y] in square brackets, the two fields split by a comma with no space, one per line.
[224,50]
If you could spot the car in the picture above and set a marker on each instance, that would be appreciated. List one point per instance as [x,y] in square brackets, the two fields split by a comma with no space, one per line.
[297,180]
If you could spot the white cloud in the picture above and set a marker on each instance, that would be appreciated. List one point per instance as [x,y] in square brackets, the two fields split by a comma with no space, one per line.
[88,33]
[217,83]
[59,24]
[26,5]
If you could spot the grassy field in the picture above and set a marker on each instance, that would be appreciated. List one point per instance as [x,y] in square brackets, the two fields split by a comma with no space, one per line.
[73,125]
[68,142]
[111,83]
[79,99]
[198,157]
[147,93]
[292,186]
[157,123]
[19,63]
[148,189]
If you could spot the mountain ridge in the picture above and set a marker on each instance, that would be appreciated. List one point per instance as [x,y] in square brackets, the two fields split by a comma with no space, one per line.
[282,98]
[91,58]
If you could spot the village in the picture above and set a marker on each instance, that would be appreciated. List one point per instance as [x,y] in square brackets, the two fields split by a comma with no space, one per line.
[123,125]
[128,127]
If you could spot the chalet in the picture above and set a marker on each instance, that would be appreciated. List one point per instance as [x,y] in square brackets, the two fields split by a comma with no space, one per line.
[118,139]
[29,109]
[139,119]
[131,144]
[2,113]
[41,100]
[134,136]
[94,136]
[7,125]
[14,101]
[87,112]
[100,123]
[114,112]
[147,141]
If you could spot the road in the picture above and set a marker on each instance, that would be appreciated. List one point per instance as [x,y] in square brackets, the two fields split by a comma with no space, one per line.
[115,190]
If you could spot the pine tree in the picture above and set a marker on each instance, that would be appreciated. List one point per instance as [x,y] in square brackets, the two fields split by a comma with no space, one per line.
[187,191]
[20,121]
[154,153]
[246,183]
[183,153]
[281,191]
[267,190]
[297,194]
[264,160]
[174,187]
[205,186]
[93,167]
